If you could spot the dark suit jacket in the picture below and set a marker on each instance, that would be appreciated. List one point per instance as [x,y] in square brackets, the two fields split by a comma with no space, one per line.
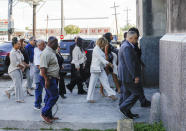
[129,64]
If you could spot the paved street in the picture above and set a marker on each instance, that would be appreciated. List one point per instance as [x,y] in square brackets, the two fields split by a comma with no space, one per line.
[75,112]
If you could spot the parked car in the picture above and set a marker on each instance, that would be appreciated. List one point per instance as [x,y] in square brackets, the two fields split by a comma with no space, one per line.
[67,47]
[5,49]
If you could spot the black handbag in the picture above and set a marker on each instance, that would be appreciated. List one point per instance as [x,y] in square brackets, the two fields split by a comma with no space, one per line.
[77,74]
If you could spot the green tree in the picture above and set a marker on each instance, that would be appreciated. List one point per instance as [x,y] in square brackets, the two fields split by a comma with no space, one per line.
[72,29]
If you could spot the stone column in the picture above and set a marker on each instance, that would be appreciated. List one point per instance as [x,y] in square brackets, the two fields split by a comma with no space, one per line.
[151,21]
[173,68]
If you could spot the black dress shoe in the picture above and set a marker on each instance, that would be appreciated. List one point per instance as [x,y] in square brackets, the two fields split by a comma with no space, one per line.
[63,96]
[69,88]
[146,104]
[83,92]
[28,93]
[127,114]
[134,115]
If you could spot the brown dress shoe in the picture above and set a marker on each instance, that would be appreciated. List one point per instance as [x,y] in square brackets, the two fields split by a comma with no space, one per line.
[55,118]
[46,119]
[91,101]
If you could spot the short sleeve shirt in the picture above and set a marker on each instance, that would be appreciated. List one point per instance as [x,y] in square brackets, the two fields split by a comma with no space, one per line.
[49,61]
[37,54]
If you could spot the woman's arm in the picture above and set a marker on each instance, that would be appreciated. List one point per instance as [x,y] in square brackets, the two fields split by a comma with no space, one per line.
[106,52]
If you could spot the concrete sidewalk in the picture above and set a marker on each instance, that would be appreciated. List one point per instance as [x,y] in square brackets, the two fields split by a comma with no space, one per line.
[75,112]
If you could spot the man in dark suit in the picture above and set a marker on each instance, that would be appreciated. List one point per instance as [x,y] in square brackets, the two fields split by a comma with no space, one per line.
[129,72]
[143,100]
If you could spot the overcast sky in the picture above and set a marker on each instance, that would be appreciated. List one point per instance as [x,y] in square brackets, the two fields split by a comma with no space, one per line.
[22,13]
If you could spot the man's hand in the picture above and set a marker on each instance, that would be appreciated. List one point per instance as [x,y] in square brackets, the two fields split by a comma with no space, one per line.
[62,67]
[77,69]
[47,83]
[136,80]
[44,74]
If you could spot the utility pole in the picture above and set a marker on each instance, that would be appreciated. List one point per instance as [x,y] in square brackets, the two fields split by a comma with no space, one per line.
[62,18]
[34,19]
[10,19]
[115,14]
[47,29]
[127,15]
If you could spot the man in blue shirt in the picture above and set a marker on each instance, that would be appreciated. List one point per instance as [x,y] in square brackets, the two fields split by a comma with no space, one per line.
[30,51]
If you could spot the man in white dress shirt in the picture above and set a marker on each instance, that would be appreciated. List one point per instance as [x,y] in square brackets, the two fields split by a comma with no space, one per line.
[39,89]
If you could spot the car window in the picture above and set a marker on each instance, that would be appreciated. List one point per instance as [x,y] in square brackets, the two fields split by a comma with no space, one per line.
[6,47]
[86,43]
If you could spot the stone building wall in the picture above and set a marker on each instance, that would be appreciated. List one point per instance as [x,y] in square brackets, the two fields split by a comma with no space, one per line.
[151,21]
[173,68]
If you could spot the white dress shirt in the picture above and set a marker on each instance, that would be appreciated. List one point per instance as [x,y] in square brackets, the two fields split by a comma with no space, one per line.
[37,54]
[78,57]
[131,45]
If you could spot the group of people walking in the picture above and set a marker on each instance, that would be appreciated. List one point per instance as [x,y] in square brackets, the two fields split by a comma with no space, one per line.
[43,64]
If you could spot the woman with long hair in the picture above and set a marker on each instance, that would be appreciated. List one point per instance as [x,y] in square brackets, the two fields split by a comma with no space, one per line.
[111,56]
[97,70]
[77,67]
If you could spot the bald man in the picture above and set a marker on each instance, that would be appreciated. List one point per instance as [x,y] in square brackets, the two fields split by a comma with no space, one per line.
[49,70]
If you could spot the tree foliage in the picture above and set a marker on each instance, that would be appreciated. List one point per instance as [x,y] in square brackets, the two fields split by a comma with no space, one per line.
[72,29]
[127,27]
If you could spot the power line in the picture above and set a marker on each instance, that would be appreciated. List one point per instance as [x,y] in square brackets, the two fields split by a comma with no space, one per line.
[83,18]
[115,14]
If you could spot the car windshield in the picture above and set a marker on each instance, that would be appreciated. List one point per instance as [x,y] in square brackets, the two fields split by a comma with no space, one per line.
[6,47]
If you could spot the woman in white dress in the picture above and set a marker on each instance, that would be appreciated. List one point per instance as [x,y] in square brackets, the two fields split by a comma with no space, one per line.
[97,71]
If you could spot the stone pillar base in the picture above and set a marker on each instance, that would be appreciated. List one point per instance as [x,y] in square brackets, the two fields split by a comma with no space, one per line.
[150,57]
[125,125]
[173,81]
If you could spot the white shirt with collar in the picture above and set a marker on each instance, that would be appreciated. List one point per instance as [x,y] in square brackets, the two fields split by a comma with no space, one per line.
[78,57]
[131,45]
[37,54]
